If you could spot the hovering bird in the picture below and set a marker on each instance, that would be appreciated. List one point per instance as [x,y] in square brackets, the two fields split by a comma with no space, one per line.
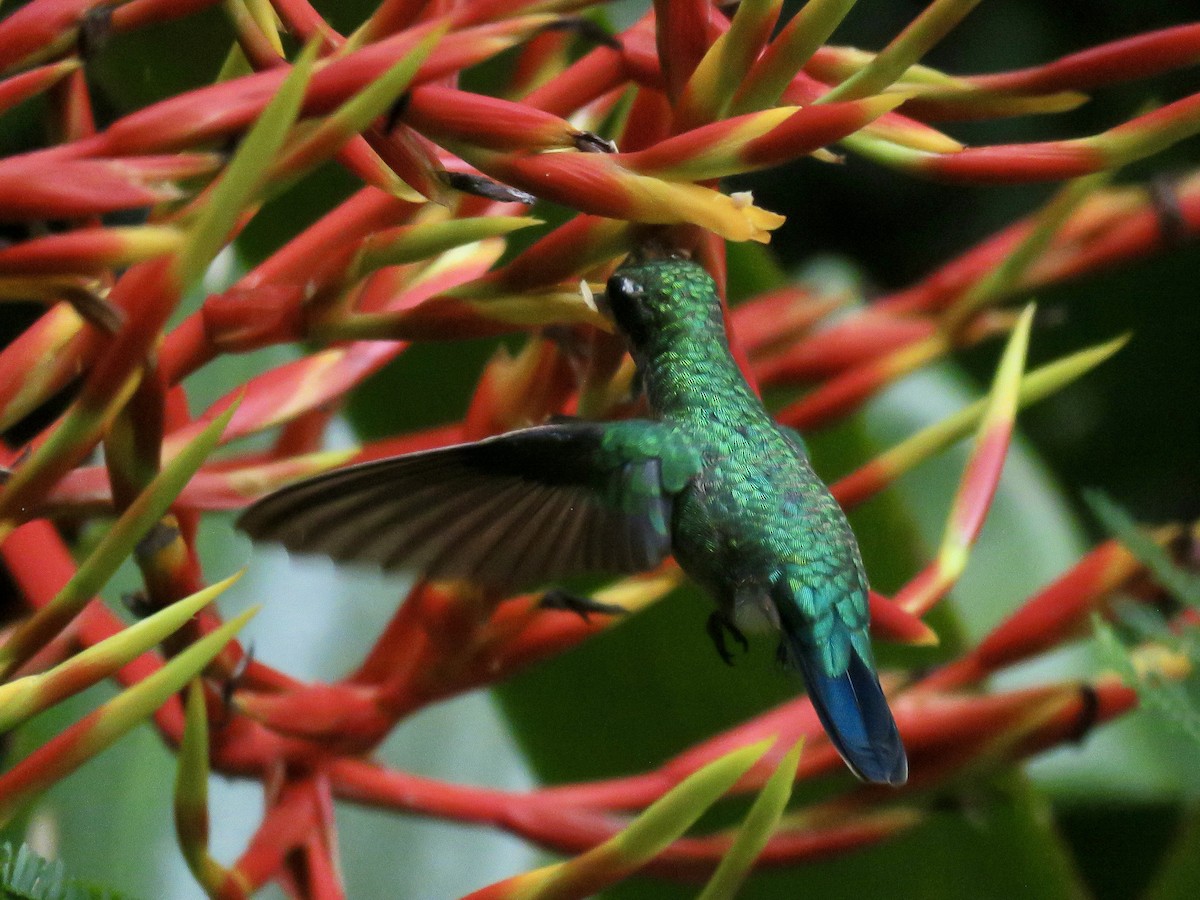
[713,480]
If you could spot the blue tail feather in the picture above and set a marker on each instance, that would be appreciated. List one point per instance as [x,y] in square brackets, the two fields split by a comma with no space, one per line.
[855,713]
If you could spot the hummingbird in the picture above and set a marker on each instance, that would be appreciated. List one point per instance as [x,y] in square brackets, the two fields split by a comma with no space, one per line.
[712,479]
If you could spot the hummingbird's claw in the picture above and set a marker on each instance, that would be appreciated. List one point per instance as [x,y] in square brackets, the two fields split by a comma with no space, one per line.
[717,626]
[1164,200]
[583,606]
[234,681]
[1089,715]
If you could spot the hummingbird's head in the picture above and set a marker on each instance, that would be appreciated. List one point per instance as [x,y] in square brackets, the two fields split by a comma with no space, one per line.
[647,297]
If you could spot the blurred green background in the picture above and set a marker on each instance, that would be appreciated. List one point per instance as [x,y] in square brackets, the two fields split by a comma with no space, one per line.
[1110,818]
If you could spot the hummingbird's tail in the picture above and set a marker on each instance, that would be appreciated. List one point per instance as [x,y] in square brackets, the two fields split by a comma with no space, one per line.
[854,711]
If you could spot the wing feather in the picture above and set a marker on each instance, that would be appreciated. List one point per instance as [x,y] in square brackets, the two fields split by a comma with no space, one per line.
[509,511]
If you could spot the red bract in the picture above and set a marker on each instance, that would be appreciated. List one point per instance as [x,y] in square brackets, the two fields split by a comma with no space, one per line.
[621,144]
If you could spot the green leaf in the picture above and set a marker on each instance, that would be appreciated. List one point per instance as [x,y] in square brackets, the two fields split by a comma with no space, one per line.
[756,830]
[26,876]
[1169,697]
[1183,586]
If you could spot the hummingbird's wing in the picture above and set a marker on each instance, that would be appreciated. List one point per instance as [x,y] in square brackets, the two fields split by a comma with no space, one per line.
[519,509]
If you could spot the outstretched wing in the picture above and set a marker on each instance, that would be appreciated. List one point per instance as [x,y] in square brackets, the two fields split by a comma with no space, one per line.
[519,509]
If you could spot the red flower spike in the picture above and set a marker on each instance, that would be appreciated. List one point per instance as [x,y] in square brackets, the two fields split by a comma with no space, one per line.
[290,390]
[852,342]
[343,718]
[706,96]
[978,485]
[137,14]
[682,38]
[597,184]
[588,78]
[388,17]
[565,254]
[42,186]
[845,393]
[442,113]
[799,839]
[21,87]
[517,391]
[291,815]
[145,294]
[755,140]
[262,50]
[946,734]
[1060,612]
[42,360]
[890,622]
[41,30]
[542,58]
[1140,56]
[88,251]
[773,321]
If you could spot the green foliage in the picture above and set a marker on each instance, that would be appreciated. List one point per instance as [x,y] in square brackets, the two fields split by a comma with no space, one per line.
[1171,697]
[26,876]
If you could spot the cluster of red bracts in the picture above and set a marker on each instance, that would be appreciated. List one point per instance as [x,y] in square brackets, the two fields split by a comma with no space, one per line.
[410,257]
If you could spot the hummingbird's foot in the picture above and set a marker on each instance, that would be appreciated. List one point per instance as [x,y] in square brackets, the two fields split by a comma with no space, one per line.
[235,679]
[1089,715]
[717,626]
[782,657]
[1172,222]
[584,606]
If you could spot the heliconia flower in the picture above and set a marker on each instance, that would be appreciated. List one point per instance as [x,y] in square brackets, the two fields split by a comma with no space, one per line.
[284,393]
[514,391]
[40,30]
[630,138]
[41,186]
[934,95]
[1121,145]
[100,728]
[1139,56]
[191,793]
[40,362]
[754,140]
[358,112]
[638,843]
[890,622]
[31,694]
[490,122]
[980,477]
[850,343]
[89,250]
[885,468]
[1060,611]
[28,84]
[709,90]
[594,183]
[111,551]
[774,320]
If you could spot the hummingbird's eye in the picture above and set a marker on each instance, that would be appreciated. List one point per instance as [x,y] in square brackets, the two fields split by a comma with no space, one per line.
[624,298]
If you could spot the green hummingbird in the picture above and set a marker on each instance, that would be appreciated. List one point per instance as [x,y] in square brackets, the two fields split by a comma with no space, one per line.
[713,480]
